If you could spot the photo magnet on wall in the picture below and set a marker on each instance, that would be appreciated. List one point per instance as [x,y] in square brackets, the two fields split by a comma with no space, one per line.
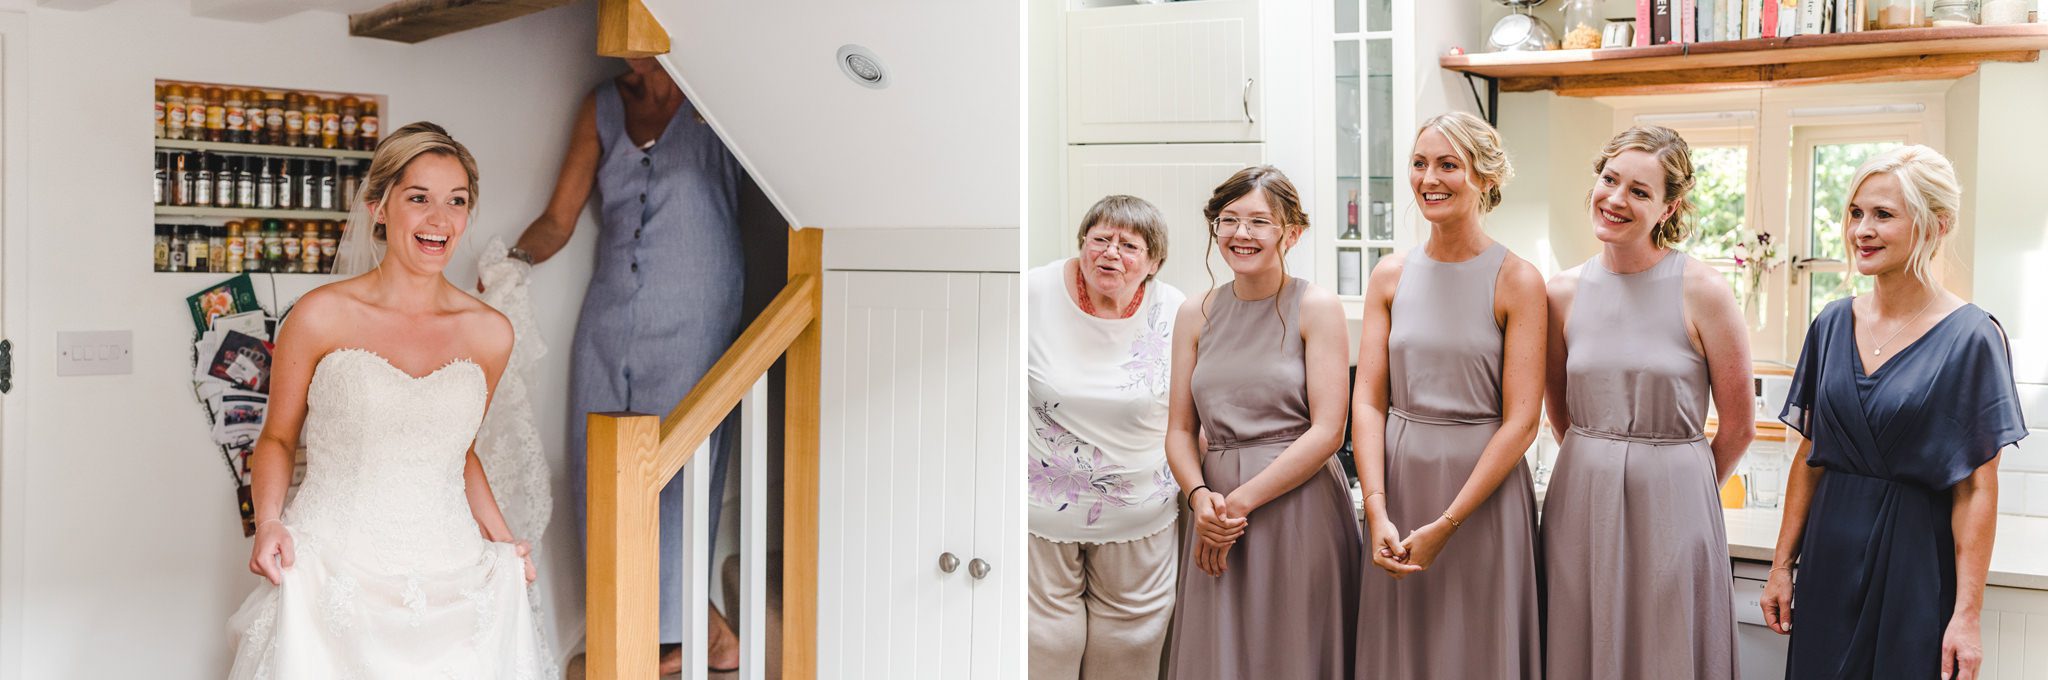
[243,361]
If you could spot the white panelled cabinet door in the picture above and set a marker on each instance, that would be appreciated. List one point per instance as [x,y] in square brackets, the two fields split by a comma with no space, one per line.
[999,500]
[1175,72]
[903,492]
[1177,178]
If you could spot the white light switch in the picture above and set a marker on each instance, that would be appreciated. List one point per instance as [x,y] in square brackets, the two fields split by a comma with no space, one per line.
[95,353]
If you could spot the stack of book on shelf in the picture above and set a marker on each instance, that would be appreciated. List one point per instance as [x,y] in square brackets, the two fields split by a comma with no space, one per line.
[1664,22]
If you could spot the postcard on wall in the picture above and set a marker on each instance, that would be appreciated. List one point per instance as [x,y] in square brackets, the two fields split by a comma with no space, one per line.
[233,296]
[243,361]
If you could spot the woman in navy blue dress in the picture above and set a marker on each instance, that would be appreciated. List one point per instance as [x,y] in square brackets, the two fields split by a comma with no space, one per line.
[1905,397]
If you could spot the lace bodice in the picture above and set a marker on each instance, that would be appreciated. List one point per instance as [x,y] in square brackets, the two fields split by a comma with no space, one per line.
[384,459]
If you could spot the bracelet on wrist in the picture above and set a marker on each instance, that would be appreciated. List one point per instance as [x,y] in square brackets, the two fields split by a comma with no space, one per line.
[1191,495]
[1454,521]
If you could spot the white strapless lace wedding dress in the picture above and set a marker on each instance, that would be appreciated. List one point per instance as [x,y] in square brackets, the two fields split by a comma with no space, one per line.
[392,578]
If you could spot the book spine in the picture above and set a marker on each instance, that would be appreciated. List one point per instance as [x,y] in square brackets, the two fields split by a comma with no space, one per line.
[1752,19]
[1788,18]
[1770,21]
[1660,22]
[1809,17]
[1710,20]
[1642,23]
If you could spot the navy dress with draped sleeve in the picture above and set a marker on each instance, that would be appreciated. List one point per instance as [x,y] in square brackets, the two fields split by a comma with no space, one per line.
[1877,567]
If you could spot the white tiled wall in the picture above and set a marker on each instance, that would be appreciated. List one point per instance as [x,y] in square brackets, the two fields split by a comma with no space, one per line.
[2023,468]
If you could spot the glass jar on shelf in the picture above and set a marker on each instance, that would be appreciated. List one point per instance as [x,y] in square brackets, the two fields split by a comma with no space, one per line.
[1952,13]
[2003,12]
[1890,14]
[1582,22]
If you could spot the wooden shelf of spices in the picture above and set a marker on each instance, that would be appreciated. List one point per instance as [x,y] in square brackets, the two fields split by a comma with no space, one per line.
[244,132]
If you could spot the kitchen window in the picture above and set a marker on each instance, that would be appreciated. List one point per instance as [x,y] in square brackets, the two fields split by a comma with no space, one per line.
[1781,165]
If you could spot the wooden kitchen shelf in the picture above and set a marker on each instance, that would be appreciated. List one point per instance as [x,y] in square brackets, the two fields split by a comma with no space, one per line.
[166,211]
[261,149]
[1866,56]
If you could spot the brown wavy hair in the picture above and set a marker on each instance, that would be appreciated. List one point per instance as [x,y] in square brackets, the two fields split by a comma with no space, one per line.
[1280,196]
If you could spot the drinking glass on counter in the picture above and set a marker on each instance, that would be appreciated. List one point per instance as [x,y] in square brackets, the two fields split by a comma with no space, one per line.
[1765,477]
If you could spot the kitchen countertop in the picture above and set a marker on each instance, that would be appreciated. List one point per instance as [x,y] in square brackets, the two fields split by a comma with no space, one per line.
[2019,553]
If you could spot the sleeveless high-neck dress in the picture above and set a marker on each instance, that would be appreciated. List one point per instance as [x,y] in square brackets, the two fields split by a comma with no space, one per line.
[1285,606]
[1635,554]
[1473,613]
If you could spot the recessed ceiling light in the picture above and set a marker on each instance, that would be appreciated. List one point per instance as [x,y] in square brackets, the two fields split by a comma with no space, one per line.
[862,66]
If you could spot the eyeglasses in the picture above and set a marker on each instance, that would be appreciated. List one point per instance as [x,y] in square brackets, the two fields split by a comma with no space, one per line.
[1132,249]
[1258,227]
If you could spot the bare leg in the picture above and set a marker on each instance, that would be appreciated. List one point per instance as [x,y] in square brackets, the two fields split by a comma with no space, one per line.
[723,646]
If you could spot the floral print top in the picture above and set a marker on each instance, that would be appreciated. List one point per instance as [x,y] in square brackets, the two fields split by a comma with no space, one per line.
[1097,409]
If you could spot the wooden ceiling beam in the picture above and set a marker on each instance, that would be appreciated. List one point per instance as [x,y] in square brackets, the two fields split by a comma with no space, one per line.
[625,29]
[412,21]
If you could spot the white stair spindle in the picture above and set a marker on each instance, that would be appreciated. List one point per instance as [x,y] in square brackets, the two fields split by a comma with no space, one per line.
[753,466]
[696,553]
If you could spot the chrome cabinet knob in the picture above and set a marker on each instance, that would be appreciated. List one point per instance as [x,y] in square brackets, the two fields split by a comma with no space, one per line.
[948,563]
[977,568]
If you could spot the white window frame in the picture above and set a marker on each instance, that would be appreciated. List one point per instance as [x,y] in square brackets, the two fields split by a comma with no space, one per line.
[1778,127]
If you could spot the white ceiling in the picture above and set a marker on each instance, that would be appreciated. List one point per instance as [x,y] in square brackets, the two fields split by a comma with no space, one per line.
[939,147]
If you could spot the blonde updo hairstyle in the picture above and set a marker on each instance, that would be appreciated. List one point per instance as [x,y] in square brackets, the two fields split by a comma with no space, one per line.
[1934,199]
[1675,157]
[1478,144]
[398,151]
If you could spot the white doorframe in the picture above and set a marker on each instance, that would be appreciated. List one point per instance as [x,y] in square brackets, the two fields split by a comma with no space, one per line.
[13,326]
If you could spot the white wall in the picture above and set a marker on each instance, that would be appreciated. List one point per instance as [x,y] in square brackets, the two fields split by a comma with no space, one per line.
[122,552]
[1551,140]
[1047,235]
[942,136]
[1998,150]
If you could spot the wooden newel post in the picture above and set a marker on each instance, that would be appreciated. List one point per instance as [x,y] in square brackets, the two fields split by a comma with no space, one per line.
[622,573]
[801,416]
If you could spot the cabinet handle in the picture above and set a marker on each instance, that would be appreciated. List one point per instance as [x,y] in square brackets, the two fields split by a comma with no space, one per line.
[1245,97]
[977,568]
[948,563]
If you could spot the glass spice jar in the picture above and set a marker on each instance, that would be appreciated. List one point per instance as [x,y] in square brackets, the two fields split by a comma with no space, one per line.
[1953,13]
[2004,12]
[1891,14]
[1582,22]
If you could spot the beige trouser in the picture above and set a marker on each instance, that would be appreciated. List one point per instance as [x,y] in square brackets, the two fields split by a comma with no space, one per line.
[1099,610]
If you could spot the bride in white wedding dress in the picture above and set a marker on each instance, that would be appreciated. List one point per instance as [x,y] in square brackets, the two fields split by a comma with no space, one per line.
[393,560]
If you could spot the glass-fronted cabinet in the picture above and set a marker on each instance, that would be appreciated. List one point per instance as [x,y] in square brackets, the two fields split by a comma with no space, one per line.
[1360,199]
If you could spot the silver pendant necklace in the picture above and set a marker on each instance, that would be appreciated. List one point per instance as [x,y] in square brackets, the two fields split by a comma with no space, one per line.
[1902,327]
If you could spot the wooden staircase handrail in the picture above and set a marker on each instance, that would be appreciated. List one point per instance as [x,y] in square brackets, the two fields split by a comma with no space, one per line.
[750,357]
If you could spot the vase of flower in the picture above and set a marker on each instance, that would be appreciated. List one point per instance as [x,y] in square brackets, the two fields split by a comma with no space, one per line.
[1755,256]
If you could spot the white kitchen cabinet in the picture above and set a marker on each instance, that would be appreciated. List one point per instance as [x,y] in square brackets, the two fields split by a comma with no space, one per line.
[2013,630]
[919,455]
[1177,178]
[1176,72]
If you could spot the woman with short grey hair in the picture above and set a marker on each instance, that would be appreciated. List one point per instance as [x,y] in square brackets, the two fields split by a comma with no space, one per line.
[1102,501]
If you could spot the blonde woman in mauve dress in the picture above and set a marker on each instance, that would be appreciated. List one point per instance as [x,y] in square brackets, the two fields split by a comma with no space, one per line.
[1635,556]
[1259,371]
[1450,383]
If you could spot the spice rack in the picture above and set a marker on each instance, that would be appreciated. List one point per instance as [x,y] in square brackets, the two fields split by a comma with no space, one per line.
[256,179]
